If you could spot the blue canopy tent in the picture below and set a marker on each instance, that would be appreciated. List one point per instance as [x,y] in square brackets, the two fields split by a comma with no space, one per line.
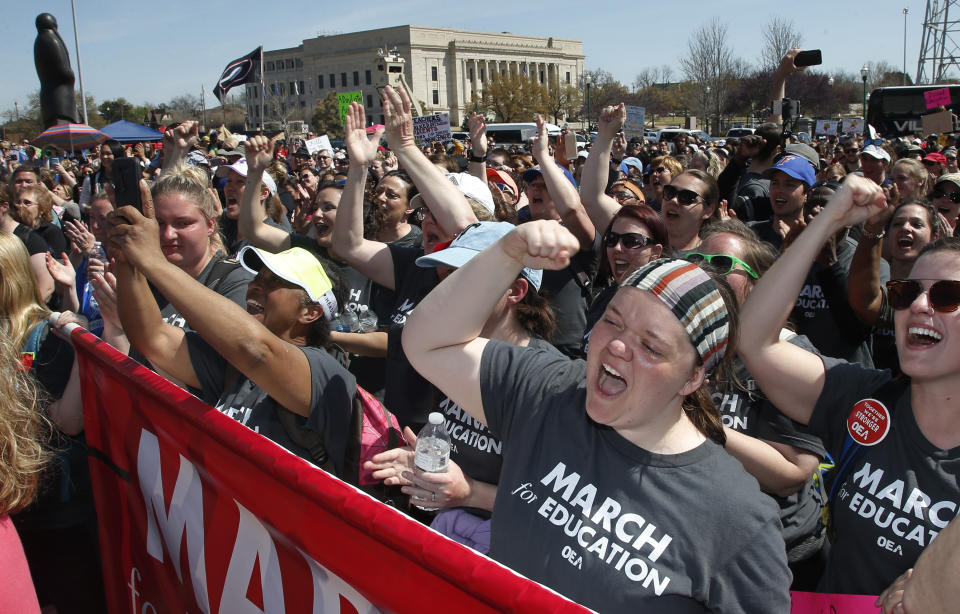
[129,132]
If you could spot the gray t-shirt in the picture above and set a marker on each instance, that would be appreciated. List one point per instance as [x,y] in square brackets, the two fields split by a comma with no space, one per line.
[232,393]
[897,495]
[610,525]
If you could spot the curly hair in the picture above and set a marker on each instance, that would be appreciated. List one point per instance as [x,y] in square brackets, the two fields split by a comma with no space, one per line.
[23,431]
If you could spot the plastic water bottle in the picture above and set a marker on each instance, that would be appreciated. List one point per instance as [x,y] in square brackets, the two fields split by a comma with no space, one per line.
[346,322]
[433,448]
[368,320]
[100,253]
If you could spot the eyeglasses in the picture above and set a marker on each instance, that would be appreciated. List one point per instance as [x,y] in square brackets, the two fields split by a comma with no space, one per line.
[630,240]
[659,169]
[849,151]
[684,197]
[944,294]
[939,193]
[724,263]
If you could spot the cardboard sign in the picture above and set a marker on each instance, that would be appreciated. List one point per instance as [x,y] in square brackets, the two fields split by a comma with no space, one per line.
[433,127]
[635,121]
[854,125]
[344,101]
[826,126]
[937,123]
[937,98]
[321,143]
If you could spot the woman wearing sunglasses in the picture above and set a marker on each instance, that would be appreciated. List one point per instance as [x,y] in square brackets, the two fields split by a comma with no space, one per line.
[897,487]
[614,489]
[771,447]
[946,198]
[691,199]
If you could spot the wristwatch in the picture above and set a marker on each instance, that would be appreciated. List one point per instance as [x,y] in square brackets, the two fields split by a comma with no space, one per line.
[473,158]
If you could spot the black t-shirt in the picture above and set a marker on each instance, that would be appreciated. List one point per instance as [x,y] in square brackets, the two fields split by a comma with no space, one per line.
[613,526]
[414,238]
[233,394]
[34,243]
[473,448]
[54,238]
[595,312]
[360,295]
[822,312]
[567,298]
[747,411]
[407,394]
[753,198]
[897,495]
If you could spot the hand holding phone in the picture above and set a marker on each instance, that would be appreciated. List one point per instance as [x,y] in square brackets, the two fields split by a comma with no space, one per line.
[810,57]
[126,183]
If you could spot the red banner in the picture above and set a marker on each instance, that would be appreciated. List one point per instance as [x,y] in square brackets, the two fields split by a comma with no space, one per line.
[199,514]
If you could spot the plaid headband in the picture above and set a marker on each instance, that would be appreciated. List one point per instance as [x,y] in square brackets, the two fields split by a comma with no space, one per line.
[692,296]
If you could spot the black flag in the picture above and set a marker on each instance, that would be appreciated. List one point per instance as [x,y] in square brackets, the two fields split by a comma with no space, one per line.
[240,71]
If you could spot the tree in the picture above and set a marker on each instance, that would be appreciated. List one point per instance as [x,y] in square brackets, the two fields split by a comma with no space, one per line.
[649,77]
[326,117]
[514,97]
[563,101]
[187,103]
[779,36]
[115,110]
[711,65]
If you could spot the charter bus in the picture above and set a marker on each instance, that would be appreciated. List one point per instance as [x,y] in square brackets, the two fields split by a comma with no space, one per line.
[898,111]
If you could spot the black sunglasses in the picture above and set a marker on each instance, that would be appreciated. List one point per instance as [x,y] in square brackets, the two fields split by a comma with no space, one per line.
[939,193]
[630,240]
[684,197]
[944,295]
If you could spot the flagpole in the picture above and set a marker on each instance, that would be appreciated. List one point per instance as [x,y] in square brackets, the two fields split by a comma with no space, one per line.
[263,91]
[76,42]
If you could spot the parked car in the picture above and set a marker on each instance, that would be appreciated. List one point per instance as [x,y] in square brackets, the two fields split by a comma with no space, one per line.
[736,133]
[518,134]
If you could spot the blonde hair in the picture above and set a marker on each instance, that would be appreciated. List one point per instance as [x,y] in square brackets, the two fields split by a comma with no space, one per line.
[191,182]
[21,303]
[22,430]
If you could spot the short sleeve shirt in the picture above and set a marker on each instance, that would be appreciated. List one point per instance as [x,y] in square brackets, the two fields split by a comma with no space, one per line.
[897,495]
[610,525]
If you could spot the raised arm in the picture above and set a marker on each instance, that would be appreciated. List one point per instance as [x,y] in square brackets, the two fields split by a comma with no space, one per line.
[596,171]
[565,196]
[177,142]
[371,258]
[791,377]
[779,469]
[259,155]
[276,366]
[477,165]
[446,203]
[779,85]
[442,336]
[865,292]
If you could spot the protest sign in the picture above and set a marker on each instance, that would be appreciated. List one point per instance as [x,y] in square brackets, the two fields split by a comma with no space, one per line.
[344,99]
[854,125]
[321,143]
[635,121]
[937,98]
[198,513]
[936,123]
[825,603]
[433,127]
[826,126]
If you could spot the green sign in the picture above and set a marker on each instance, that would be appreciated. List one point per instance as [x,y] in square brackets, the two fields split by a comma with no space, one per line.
[344,101]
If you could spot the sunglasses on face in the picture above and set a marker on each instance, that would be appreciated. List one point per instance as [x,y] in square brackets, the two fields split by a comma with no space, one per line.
[724,263]
[684,197]
[622,196]
[850,151]
[939,193]
[630,240]
[943,295]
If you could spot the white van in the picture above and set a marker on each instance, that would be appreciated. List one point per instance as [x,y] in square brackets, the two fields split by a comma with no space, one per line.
[517,134]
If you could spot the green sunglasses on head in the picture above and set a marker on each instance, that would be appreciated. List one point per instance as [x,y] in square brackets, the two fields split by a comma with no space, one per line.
[723,263]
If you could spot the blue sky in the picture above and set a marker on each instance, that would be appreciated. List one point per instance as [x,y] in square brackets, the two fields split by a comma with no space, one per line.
[151,52]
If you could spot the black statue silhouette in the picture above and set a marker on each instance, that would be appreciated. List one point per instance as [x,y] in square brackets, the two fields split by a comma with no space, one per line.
[57,102]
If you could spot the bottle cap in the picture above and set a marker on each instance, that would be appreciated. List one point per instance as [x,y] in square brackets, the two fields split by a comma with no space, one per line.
[435,417]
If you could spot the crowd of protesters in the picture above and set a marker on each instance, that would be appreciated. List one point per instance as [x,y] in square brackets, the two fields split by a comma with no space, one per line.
[664,341]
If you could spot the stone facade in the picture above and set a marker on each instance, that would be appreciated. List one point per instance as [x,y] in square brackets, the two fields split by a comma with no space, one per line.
[444,68]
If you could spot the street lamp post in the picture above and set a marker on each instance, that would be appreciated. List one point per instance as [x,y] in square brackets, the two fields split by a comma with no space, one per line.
[863,75]
[706,109]
[588,105]
[905,11]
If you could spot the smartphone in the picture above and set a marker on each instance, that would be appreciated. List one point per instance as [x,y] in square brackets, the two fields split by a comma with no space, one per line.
[126,182]
[811,57]
[570,146]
